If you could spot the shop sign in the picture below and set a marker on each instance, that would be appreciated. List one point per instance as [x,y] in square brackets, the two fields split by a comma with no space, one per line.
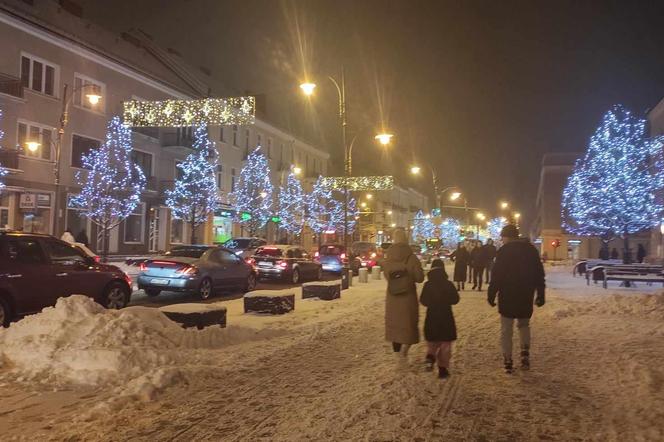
[28,201]
[43,200]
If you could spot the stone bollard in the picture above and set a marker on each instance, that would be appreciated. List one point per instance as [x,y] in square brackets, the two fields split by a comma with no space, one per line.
[363,275]
[375,272]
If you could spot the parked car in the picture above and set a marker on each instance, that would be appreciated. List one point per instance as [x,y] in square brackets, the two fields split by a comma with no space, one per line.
[86,251]
[36,270]
[244,247]
[289,263]
[333,258]
[200,269]
[366,252]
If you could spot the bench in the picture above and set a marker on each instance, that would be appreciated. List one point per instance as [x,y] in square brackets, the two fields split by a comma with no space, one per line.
[632,273]
[196,315]
[272,302]
[325,290]
[595,268]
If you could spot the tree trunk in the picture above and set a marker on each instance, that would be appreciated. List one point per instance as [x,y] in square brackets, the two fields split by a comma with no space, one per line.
[104,242]
[627,255]
[192,225]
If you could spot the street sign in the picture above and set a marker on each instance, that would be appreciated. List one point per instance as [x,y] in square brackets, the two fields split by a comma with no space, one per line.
[359,183]
[245,216]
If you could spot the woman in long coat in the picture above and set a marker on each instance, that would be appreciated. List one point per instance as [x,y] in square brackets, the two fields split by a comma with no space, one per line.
[461,259]
[402,310]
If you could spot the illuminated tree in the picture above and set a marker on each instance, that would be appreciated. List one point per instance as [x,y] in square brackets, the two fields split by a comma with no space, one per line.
[495,227]
[613,188]
[423,227]
[195,193]
[253,195]
[112,184]
[450,232]
[292,205]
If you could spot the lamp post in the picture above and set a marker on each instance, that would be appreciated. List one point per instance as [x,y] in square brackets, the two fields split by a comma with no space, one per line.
[93,98]
[308,89]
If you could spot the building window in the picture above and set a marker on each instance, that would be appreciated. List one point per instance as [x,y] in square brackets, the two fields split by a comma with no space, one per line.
[246,139]
[177,231]
[220,177]
[84,86]
[143,160]
[35,133]
[39,75]
[235,135]
[81,146]
[133,231]
[233,180]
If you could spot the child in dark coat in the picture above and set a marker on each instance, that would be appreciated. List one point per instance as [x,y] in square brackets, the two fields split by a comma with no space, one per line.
[438,295]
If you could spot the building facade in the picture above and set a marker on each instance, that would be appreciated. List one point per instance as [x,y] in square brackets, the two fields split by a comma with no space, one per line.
[51,57]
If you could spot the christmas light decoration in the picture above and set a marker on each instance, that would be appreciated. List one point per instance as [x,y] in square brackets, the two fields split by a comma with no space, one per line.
[450,232]
[195,193]
[494,227]
[3,171]
[614,188]
[184,113]
[317,208]
[292,205]
[253,194]
[112,184]
[423,227]
[359,183]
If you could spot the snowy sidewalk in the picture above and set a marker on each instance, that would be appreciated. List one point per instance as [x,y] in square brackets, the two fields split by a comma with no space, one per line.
[324,372]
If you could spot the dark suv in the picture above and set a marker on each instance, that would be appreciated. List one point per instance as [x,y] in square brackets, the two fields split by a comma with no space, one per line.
[36,270]
[289,263]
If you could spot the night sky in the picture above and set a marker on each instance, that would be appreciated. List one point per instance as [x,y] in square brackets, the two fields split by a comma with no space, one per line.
[477,89]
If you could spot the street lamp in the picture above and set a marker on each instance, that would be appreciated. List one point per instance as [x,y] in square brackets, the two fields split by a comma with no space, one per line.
[297,170]
[415,170]
[308,88]
[384,138]
[93,99]
[455,196]
[369,196]
[504,205]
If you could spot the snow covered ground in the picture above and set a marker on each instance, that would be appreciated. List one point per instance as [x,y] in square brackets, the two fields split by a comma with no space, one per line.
[323,372]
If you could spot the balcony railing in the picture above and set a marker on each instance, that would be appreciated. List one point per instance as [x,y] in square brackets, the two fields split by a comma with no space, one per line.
[11,86]
[9,158]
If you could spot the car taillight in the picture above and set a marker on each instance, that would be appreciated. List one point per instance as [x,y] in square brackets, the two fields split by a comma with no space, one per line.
[127,278]
[188,271]
[97,258]
[250,261]
[373,255]
[316,255]
[343,256]
[142,267]
[282,264]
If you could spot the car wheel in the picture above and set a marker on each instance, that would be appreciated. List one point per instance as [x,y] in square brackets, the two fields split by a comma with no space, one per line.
[116,296]
[295,276]
[5,313]
[152,292]
[251,283]
[205,289]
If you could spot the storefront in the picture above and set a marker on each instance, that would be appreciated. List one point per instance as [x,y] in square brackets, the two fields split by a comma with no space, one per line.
[34,214]
[222,225]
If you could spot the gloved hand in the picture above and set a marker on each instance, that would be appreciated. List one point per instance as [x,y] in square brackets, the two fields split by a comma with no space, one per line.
[539,301]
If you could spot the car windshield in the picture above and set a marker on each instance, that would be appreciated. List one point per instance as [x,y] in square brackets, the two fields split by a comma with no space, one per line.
[238,243]
[187,252]
[268,251]
[331,250]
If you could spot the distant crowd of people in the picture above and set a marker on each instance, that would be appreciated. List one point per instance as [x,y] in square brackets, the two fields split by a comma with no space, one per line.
[515,275]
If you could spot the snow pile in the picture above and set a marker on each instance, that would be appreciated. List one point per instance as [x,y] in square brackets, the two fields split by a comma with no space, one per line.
[640,305]
[79,342]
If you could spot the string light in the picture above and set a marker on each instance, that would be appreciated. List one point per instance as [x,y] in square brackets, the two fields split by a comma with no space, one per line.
[360,183]
[613,189]
[423,227]
[495,226]
[253,194]
[194,195]
[112,184]
[184,113]
[292,205]
[450,232]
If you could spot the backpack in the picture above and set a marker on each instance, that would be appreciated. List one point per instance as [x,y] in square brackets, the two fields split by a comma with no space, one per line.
[399,281]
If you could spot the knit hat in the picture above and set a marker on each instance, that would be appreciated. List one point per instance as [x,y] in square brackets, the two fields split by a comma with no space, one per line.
[509,231]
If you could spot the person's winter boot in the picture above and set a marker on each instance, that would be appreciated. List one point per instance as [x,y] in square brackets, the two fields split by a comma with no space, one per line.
[509,367]
[396,347]
[429,361]
[443,373]
[525,359]
[474,287]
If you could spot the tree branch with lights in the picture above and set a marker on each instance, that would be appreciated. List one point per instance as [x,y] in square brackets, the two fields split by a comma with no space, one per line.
[253,195]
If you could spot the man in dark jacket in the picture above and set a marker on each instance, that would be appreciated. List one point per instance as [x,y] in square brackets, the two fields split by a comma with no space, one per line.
[517,274]
[490,254]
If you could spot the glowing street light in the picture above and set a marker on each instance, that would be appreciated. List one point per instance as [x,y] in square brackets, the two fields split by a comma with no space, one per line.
[393,225]
[32,146]
[480,216]
[363,204]
[504,205]
[415,170]
[308,88]
[369,196]
[389,212]
[455,196]
[297,170]
[93,98]
[384,138]
[517,215]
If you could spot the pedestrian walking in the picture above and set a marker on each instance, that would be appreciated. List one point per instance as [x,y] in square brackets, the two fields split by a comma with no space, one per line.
[402,270]
[461,258]
[82,237]
[470,246]
[517,275]
[490,254]
[478,263]
[68,237]
[438,296]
